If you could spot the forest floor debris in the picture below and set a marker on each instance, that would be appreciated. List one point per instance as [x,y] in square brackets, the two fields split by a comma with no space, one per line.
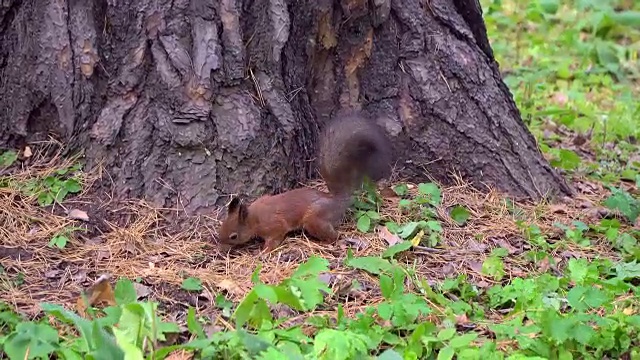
[134,240]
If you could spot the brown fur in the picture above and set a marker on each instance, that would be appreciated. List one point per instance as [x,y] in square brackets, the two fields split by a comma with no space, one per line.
[351,148]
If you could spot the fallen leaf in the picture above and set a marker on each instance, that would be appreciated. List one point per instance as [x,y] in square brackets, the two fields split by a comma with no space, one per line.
[359,244]
[579,140]
[100,293]
[476,265]
[416,239]
[387,192]
[229,286]
[27,152]
[543,265]
[560,98]
[505,244]
[448,269]
[141,290]
[390,238]
[51,274]
[475,246]
[180,355]
[102,254]
[211,329]
[558,208]
[77,214]
[628,311]
[327,278]
[80,276]
[462,319]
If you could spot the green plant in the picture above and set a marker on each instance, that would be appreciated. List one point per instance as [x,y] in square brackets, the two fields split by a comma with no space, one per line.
[54,187]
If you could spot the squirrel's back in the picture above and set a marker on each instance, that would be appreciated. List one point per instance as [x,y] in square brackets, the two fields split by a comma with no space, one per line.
[352,147]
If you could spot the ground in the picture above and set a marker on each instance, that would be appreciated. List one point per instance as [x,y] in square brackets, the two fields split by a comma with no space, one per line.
[523,279]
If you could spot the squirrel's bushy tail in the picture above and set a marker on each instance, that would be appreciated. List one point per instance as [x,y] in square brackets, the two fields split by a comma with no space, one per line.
[350,148]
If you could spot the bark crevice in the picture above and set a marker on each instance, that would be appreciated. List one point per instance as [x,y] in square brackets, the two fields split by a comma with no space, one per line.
[184,103]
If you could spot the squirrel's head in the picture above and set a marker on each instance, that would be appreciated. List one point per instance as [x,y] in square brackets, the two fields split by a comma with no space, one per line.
[234,230]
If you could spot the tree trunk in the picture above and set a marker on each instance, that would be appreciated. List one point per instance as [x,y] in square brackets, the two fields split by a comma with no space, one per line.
[184,102]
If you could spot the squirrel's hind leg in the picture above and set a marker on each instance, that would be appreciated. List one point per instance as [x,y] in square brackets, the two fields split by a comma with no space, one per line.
[322,231]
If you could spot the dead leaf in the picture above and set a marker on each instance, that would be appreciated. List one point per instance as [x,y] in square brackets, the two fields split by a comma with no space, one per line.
[560,98]
[141,290]
[558,208]
[628,311]
[476,247]
[387,192]
[52,274]
[100,293]
[102,254]
[77,214]
[543,265]
[462,319]
[579,140]
[505,244]
[229,286]
[327,278]
[448,269]
[476,265]
[390,238]
[27,152]
[358,243]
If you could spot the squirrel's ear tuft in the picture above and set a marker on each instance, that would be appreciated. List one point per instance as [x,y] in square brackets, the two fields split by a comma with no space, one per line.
[233,205]
[243,212]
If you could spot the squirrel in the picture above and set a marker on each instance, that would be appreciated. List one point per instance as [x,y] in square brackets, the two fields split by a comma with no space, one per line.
[351,148]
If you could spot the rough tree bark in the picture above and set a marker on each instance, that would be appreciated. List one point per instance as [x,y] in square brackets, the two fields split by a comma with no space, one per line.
[185,101]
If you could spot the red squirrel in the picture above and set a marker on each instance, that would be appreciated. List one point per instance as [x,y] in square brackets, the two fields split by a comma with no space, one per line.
[351,148]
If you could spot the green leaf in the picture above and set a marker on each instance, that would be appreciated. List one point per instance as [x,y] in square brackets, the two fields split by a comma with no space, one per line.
[446,353]
[460,214]
[583,333]
[45,199]
[192,284]
[408,229]
[432,191]
[364,223]
[8,157]
[72,186]
[125,292]
[397,248]
[194,325]
[59,241]
[625,203]
[463,340]
[60,194]
[626,271]
[373,215]
[567,159]
[607,55]
[401,190]
[389,354]
[627,18]
[131,351]
[549,6]
[312,267]
[40,340]
[106,348]
[266,292]
[372,264]
[434,225]
[446,334]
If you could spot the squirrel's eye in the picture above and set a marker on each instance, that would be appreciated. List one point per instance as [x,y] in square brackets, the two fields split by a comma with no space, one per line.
[233,236]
